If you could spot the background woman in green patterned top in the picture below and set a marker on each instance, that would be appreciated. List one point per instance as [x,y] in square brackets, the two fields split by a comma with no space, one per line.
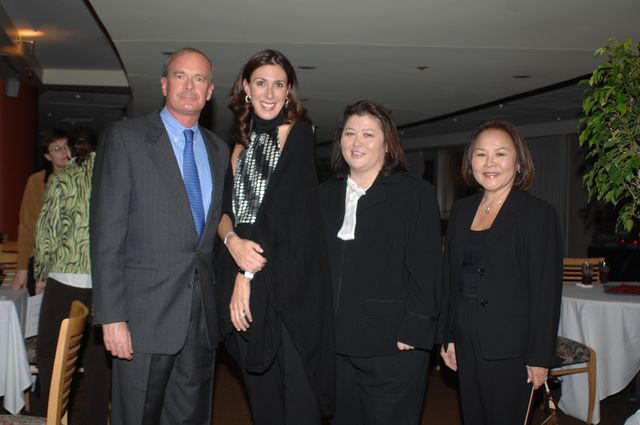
[62,258]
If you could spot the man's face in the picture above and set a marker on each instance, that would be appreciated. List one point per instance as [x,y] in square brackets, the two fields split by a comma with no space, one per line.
[187,86]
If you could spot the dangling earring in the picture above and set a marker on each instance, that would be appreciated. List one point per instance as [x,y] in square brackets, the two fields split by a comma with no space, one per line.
[286,102]
[247,98]
[519,171]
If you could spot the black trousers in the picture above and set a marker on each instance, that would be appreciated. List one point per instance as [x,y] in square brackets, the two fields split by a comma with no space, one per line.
[282,395]
[492,392]
[381,390]
[90,398]
[159,389]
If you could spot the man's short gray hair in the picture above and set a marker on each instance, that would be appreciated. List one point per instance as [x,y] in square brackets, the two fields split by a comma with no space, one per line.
[180,52]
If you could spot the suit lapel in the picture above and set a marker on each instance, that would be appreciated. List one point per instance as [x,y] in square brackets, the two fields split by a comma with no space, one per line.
[217,177]
[377,193]
[162,155]
[504,220]
[337,201]
[466,214]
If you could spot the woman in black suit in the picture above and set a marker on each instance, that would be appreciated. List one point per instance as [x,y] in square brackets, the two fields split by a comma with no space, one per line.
[502,281]
[383,234]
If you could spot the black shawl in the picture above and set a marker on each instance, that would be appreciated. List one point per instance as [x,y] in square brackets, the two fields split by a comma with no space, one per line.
[294,288]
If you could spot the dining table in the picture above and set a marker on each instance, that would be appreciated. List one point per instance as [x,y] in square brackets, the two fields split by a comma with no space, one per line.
[15,376]
[609,322]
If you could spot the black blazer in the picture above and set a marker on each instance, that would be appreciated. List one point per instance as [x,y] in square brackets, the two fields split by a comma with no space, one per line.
[521,278]
[385,280]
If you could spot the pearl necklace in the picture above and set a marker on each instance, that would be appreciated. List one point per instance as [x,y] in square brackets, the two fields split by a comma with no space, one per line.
[489,208]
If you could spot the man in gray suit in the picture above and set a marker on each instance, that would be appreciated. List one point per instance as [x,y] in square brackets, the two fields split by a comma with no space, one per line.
[156,202]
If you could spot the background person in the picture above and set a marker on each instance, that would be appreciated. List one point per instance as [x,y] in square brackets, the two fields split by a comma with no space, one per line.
[277,315]
[57,154]
[155,207]
[502,281]
[382,228]
[62,258]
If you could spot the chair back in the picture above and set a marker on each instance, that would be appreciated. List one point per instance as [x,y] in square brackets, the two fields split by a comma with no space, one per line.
[572,268]
[64,365]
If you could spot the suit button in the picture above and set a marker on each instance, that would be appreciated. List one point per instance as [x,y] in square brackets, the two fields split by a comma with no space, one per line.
[481,272]
[484,302]
[190,285]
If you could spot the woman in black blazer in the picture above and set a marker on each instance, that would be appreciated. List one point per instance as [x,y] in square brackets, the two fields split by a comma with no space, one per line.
[502,281]
[383,234]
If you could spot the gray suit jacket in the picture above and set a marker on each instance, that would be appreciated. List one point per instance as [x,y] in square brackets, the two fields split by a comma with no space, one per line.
[144,247]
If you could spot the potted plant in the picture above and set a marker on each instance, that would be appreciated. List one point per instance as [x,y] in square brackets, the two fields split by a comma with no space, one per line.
[610,130]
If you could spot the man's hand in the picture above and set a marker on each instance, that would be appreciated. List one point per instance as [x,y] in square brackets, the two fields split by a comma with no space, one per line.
[117,340]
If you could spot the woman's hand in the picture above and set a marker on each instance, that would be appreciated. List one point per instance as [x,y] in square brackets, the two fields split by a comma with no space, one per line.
[537,375]
[403,347]
[449,356]
[20,279]
[40,285]
[239,306]
[246,253]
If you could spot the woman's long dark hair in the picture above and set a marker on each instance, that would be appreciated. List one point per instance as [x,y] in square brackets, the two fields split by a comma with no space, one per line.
[242,110]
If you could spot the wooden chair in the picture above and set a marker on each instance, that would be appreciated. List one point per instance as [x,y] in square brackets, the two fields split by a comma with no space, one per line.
[572,268]
[572,352]
[64,366]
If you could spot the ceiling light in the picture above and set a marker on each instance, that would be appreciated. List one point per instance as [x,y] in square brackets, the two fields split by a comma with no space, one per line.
[521,76]
[78,96]
[501,106]
[29,33]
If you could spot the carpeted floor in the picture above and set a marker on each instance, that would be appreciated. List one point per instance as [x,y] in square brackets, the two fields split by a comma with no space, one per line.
[441,403]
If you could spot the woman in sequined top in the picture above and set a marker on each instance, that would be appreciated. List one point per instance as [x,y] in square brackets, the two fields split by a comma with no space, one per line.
[274,288]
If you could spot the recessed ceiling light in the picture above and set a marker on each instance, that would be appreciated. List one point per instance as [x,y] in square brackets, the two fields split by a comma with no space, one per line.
[501,106]
[521,76]
[306,67]
[78,96]
[422,67]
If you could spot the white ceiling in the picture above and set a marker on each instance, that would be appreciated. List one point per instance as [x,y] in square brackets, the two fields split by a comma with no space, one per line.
[359,48]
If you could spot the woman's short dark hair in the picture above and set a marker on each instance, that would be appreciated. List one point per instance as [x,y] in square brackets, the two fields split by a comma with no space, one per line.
[51,136]
[526,171]
[242,110]
[394,159]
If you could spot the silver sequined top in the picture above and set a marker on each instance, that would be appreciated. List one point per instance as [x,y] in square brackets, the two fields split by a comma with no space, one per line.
[254,168]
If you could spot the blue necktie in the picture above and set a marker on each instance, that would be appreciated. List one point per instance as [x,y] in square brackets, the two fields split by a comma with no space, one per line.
[192,182]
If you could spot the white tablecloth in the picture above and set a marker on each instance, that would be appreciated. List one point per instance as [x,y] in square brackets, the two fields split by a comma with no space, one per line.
[610,324]
[14,366]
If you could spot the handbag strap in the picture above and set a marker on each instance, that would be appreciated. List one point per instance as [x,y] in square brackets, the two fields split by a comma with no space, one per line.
[526,418]
[552,403]
[550,400]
